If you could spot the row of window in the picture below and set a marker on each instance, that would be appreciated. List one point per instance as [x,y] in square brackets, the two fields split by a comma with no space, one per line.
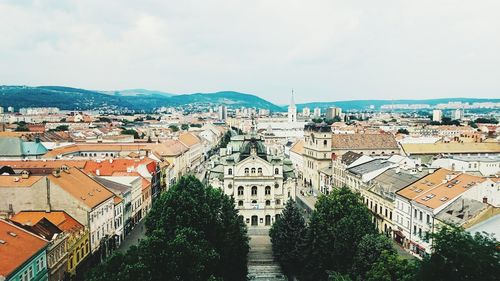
[415,215]
[378,209]
[28,273]
[252,170]
[267,190]
[268,202]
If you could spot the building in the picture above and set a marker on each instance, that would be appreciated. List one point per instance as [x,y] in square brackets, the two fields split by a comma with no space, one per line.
[451,148]
[16,148]
[23,255]
[317,112]
[295,154]
[292,111]
[418,204]
[306,112]
[437,115]
[222,112]
[195,153]
[458,114]
[260,183]
[322,146]
[333,112]
[480,165]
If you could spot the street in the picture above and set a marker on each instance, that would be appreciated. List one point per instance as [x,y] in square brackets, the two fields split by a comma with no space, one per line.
[133,238]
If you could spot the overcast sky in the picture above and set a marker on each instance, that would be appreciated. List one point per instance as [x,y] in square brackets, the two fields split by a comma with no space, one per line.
[325,50]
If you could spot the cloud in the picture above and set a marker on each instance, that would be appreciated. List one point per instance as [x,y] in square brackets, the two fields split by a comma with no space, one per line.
[325,50]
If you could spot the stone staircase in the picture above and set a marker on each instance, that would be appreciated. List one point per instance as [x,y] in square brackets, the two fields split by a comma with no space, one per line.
[261,265]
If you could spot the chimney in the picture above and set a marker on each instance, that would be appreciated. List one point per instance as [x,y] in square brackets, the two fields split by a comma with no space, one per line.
[56,173]
[97,172]
[485,200]
[25,174]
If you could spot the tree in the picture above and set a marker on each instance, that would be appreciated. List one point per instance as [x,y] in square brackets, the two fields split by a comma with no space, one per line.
[369,251]
[337,226]
[174,128]
[335,276]
[22,128]
[390,267]
[130,132]
[225,139]
[287,238]
[486,120]
[60,128]
[185,126]
[193,232]
[459,255]
[403,131]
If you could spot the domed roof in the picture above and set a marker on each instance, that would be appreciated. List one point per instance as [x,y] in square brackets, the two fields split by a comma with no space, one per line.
[253,143]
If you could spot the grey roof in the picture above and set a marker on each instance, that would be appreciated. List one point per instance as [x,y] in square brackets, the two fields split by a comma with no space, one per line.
[393,180]
[370,166]
[17,147]
[476,158]
[349,157]
[461,211]
[116,188]
[491,226]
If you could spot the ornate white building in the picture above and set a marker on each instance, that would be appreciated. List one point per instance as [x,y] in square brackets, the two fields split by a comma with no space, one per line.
[292,111]
[259,182]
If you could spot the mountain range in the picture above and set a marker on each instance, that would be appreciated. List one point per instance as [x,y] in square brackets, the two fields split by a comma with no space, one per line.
[67,98]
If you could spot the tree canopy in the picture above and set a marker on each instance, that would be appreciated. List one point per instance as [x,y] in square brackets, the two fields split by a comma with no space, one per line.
[193,232]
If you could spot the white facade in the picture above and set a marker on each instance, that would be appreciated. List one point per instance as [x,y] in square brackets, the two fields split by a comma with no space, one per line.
[292,112]
[437,115]
[485,165]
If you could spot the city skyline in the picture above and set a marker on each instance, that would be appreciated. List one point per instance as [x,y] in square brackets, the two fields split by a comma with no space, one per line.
[326,51]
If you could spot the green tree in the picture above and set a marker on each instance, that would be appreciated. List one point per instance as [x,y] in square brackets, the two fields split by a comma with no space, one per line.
[185,126]
[131,132]
[335,276]
[337,226]
[403,131]
[174,128]
[193,232]
[486,120]
[390,267]
[459,255]
[225,139]
[22,128]
[287,238]
[369,251]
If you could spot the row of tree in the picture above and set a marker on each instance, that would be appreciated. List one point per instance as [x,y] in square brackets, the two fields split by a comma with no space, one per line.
[341,243]
[193,232]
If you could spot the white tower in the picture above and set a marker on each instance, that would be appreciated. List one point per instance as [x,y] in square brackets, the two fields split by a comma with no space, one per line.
[292,111]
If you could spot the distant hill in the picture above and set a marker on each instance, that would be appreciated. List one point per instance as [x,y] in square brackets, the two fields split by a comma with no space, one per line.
[137,92]
[365,104]
[67,98]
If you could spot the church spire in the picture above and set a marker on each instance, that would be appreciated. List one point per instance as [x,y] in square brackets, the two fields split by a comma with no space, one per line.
[292,102]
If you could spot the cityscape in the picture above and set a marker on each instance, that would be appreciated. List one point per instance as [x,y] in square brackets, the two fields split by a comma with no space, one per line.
[295,179]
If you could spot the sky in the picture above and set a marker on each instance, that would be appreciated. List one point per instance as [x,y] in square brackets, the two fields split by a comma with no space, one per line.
[324,50]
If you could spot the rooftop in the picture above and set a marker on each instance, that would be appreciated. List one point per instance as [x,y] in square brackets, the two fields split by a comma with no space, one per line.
[455,147]
[364,141]
[18,181]
[16,247]
[61,219]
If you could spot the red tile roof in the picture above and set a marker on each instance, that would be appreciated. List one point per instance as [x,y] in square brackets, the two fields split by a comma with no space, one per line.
[61,219]
[109,167]
[18,246]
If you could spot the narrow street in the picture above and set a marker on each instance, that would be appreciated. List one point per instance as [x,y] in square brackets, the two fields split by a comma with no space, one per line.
[133,238]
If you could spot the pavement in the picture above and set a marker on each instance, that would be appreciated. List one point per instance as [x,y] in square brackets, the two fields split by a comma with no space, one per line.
[133,238]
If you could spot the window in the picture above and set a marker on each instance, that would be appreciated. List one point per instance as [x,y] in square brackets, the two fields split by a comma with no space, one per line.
[325,143]
[420,232]
[240,190]
[259,170]
[268,190]
[254,201]
[276,185]
[240,203]
[276,171]
[230,171]
[229,186]
[278,202]
[247,170]
[253,170]
[268,203]
[415,214]
[414,229]
[421,215]
[428,218]
[254,191]
[30,272]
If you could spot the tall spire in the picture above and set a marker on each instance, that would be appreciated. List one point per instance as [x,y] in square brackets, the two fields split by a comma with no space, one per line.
[292,102]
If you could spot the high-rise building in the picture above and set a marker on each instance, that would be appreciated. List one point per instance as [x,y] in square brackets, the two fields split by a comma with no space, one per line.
[333,112]
[458,114]
[306,112]
[292,111]
[317,112]
[222,112]
[437,115]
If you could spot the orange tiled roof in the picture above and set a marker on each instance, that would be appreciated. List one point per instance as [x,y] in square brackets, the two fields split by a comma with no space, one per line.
[93,147]
[448,190]
[426,183]
[189,139]
[17,181]
[117,200]
[61,219]
[82,187]
[17,249]
[40,164]
[364,141]
[168,148]
[298,147]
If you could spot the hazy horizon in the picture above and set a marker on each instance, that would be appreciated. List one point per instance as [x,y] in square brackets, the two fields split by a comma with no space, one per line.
[324,50]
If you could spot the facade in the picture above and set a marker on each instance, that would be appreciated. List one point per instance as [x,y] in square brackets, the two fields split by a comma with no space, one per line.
[418,205]
[292,111]
[195,153]
[260,183]
[437,115]
[333,112]
[482,165]
[23,255]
